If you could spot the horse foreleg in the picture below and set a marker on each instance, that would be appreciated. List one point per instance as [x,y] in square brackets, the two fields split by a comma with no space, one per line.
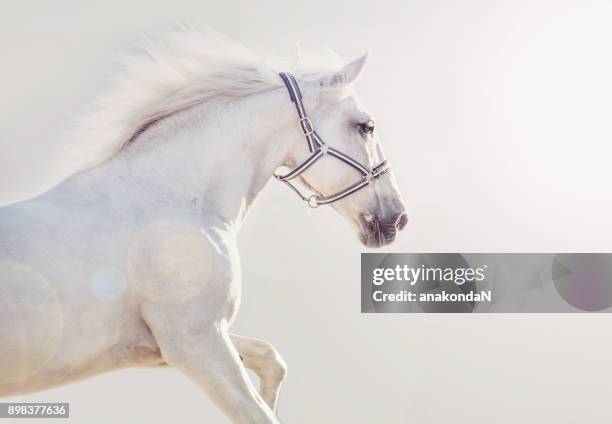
[210,359]
[265,361]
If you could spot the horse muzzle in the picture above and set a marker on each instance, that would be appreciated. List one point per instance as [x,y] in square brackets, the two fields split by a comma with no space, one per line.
[379,231]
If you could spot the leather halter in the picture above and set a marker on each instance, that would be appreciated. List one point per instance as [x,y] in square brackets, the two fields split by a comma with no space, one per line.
[318,148]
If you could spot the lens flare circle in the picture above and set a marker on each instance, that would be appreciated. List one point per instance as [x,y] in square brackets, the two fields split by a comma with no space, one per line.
[583,280]
[169,261]
[108,284]
[31,322]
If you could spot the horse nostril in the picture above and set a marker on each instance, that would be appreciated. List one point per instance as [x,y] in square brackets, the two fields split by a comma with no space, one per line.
[401,221]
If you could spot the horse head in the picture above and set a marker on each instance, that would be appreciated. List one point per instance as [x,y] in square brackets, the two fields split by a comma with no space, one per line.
[350,173]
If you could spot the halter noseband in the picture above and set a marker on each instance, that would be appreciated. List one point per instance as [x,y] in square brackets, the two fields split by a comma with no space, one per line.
[319,148]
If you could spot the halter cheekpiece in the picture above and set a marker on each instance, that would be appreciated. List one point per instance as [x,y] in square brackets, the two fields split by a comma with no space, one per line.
[318,148]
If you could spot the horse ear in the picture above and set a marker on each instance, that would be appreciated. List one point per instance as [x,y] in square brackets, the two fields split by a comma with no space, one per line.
[346,75]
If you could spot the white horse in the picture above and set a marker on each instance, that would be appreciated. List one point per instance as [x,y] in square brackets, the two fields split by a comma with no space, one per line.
[132,260]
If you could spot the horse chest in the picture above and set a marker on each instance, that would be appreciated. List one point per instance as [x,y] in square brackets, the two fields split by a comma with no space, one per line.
[173,263]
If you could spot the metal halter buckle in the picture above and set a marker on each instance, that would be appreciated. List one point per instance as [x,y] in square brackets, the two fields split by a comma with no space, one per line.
[369,177]
[306,126]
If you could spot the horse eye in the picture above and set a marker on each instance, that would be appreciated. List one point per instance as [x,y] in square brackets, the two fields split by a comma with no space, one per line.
[367,127]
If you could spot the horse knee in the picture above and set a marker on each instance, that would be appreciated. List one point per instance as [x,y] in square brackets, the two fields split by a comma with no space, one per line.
[278,366]
[273,367]
[265,361]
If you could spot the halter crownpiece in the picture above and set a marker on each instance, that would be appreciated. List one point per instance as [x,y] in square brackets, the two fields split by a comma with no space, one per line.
[318,148]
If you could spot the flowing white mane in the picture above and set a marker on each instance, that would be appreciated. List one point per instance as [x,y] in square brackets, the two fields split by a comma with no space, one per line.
[169,73]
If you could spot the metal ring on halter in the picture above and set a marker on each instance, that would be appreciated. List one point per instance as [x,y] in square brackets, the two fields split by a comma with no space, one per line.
[313,201]
[318,148]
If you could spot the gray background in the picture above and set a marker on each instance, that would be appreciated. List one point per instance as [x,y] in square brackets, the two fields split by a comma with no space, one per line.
[496,116]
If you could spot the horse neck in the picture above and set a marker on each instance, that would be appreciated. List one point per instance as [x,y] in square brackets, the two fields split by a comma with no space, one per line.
[215,157]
